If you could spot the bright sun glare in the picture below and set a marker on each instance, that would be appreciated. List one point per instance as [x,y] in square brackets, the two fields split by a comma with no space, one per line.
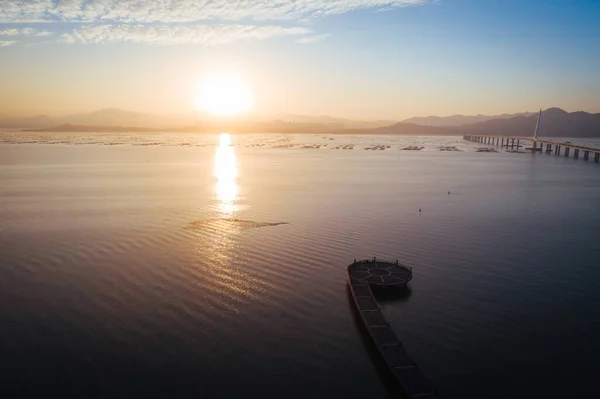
[224,95]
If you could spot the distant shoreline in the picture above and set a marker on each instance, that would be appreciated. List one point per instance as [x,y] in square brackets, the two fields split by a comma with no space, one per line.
[118,129]
[134,129]
[555,122]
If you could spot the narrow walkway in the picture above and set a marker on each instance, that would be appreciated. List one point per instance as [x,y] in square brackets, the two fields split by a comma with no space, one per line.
[403,368]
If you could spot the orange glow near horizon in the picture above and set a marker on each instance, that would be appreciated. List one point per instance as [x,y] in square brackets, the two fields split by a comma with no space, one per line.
[226,173]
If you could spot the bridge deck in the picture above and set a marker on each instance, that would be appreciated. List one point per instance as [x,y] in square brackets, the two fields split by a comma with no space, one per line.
[553,143]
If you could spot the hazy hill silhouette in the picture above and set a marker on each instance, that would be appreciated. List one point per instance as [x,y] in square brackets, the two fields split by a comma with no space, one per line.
[13,122]
[408,129]
[339,122]
[113,117]
[555,123]
[118,117]
[459,120]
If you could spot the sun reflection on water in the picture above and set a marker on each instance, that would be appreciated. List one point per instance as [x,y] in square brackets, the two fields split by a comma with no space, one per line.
[228,287]
[226,173]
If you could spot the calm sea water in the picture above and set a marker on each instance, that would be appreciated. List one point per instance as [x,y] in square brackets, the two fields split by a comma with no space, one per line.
[120,278]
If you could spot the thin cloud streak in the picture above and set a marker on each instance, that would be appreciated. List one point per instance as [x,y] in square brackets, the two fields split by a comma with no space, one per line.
[9,32]
[207,35]
[25,32]
[152,11]
[35,32]
[6,43]
[312,39]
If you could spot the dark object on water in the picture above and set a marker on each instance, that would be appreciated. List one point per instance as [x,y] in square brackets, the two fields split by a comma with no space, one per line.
[228,224]
[382,273]
[419,210]
[448,192]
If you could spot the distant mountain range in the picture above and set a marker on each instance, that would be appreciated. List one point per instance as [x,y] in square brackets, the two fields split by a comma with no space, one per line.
[113,117]
[555,123]
[104,117]
[338,122]
[459,120]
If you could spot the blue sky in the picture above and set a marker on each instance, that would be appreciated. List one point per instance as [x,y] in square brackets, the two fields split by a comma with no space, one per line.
[353,58]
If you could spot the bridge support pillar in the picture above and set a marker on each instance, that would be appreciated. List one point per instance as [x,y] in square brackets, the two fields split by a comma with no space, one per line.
[518,144]
[557,151]
[597,157]
[502,141]
[576,153]
[512,144]
[586,155]
[567,150]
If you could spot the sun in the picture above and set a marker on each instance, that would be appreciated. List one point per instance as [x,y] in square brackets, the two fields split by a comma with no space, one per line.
[224,95]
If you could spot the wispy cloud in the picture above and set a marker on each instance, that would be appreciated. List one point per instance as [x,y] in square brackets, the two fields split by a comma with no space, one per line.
[35,32]
[9,32]
[155,11]
[4,43]
[170,35]
[25,32]
[167,22]
[310,39]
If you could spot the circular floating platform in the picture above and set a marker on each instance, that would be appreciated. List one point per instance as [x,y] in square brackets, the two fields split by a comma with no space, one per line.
[379,272]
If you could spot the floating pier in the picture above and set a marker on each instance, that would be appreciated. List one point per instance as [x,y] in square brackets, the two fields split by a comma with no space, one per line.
[382,273]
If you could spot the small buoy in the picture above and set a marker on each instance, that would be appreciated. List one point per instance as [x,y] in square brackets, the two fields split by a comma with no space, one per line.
[419,209]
